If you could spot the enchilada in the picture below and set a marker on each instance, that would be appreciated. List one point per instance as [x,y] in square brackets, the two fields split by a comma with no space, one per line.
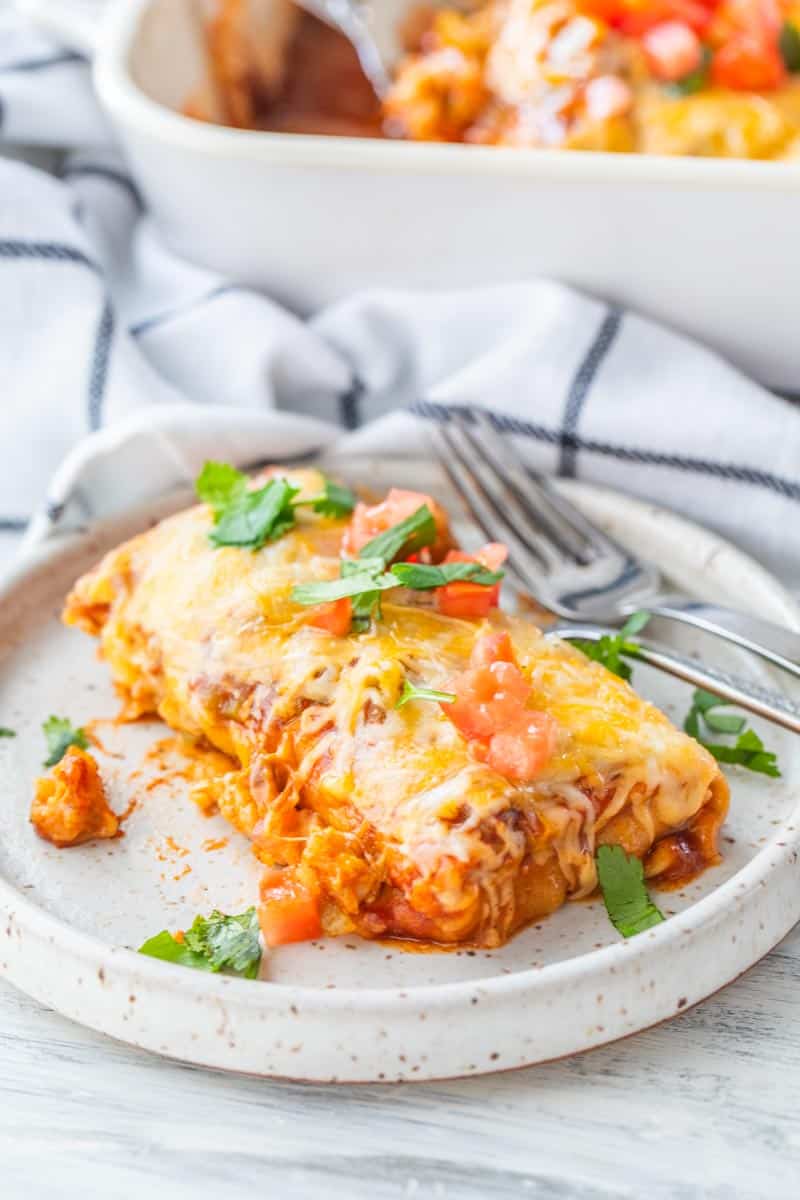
[432,769]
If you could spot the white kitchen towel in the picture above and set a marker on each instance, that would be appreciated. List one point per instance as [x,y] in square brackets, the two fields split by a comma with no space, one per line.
[129,366]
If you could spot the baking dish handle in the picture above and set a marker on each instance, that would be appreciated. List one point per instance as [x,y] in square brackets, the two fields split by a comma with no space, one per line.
[76,23]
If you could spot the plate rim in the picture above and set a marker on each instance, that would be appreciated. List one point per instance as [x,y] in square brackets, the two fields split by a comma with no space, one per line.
[779,854]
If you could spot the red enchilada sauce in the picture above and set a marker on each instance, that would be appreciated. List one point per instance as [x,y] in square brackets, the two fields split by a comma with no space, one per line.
[325,90]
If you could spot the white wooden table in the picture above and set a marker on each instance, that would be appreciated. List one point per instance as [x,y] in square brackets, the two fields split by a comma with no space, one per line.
[706,1106]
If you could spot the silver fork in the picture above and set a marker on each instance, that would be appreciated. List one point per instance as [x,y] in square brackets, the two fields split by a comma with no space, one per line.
[562,559]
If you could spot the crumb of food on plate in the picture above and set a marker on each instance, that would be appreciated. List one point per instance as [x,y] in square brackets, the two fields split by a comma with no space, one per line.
[212,844]
[70,804]
[407,760]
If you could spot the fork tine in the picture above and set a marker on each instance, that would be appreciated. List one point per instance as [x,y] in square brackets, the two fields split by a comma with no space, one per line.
[503,504]
[544,504]
[463,487]
[523,564]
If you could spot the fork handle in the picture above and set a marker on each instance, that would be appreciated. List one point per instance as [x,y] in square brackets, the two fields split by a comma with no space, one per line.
[777,645]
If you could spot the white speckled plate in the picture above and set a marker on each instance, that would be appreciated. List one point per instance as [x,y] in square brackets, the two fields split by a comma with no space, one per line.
[344,1009]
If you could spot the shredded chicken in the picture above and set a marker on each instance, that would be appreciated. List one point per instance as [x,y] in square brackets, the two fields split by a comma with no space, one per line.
[70,804]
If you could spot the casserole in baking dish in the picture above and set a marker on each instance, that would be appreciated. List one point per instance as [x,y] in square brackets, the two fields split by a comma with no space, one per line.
[718,78]
[708,246]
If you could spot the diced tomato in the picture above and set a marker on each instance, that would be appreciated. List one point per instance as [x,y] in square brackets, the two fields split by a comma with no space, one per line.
[469,600]
[607,96]
[491,648]
[641,15]
[368,521]
[490,711]
[521,751]
[749,63]
[610,11]
[466,600]
[336,617]
[288,912]
[487,697]
[673,50]
[756,16]
[492,555]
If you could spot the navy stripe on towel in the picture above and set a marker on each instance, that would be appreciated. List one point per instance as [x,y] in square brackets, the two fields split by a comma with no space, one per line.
[789,489]
[581,385]
[11,249]
[99,368]
[26,65]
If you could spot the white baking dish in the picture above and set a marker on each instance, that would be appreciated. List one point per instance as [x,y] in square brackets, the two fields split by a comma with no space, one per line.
[711,247]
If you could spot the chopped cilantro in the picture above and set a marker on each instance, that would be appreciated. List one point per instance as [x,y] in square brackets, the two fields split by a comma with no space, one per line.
[789,46]
[625,896]
[219,484]
[250,518]
[166,947]
[6,732]
[216,943]
[422,577]
[696,80]
[748,751]
[354,583]
[364,605]
[409,535]
[363,579]
[253,518]
[335,501]
[60,734]
[610,649]
[412,692]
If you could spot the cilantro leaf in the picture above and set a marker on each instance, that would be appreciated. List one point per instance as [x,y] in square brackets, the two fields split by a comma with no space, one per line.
[724,722]
[409,535]
[219,484]
[635,624]
[354,584]
[335,501]
[230,943]
[215,943]
[695,81]
[703,701]
[621,879]
[253,518]
[5,732]
[789,46]
[412,692]
[422,577]
[748,751]
[164,946]
[364,605]
[60,735]
[610,648]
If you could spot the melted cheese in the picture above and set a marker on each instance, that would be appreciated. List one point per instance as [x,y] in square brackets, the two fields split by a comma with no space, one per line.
[210,640]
